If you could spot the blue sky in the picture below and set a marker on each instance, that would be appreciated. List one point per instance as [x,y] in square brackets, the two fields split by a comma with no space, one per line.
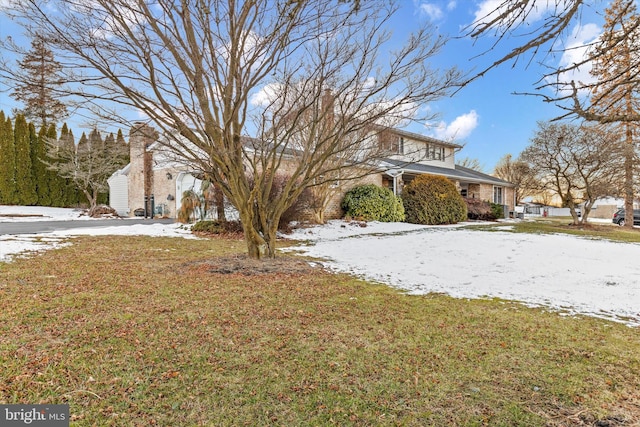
[486,117]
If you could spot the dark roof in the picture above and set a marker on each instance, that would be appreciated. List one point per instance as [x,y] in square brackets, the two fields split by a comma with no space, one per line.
[459,173]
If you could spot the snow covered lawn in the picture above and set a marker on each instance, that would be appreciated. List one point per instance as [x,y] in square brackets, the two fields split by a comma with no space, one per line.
[594,277]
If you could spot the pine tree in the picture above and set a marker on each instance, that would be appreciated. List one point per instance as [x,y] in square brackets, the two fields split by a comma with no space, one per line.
[57,184]
[40,172]
[121,142]
[70,190]
[616,93]
[7,162]
[25,188]
[38,85]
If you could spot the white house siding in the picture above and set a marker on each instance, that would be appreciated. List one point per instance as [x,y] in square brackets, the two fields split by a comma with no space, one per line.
[119,193]
[186,182]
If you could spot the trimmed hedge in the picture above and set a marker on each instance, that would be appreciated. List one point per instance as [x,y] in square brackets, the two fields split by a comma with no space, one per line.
[430,199]
[372,203]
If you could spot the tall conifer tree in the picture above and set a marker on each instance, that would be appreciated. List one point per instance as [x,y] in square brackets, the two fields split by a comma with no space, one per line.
[57,184]
[7,162]
[25,187]
[121,142]
[40,173]
[38,85]
[72,195]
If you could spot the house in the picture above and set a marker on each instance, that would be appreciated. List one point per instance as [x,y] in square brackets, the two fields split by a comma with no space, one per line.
[152,184]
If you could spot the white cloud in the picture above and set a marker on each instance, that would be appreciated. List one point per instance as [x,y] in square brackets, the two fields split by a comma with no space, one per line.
[433,11]
[576,51]
[452,5]
[489,9]
[266,95]
[460,128]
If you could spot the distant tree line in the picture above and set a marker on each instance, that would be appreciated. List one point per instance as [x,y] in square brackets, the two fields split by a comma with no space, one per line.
[32,171]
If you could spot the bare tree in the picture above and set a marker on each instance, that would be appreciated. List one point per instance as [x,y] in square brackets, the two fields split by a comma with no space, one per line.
[196,68]
[540,27]
[518,173]
[616,93]
[579,164]
[470,163]
[87,164]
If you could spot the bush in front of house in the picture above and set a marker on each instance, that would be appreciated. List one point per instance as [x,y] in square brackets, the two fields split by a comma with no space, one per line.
[372,203]
[432,200]
[497,210]
[480,210]
[300,210]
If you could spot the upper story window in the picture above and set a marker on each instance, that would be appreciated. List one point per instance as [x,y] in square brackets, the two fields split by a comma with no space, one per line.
[434,152]
[392,143]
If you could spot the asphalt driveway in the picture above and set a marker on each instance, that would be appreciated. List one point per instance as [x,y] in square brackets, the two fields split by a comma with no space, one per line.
[35,227]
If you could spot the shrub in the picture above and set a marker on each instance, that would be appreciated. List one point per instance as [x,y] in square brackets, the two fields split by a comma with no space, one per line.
[372,203]
[300,210]
[432,199]
[497,210]
[479,210]
[217,227]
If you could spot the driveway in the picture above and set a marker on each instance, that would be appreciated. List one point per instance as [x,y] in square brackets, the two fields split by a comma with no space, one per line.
[37,227]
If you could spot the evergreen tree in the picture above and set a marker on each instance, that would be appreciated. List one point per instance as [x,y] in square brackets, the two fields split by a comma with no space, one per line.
[41,174]
[95,140]
[616,93]
[7,162]
[57,184]
[71,192]
[37,85]
[121,142]
[25,188]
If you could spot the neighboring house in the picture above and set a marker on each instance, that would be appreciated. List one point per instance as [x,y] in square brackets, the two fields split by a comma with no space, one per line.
[152,183]
[605,207]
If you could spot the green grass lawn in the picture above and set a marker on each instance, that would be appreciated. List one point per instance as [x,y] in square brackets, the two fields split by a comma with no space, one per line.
[139,331]
[562,225]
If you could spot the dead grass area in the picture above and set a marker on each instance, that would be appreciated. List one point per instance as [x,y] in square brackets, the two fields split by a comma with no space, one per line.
[242,264]
[140,331]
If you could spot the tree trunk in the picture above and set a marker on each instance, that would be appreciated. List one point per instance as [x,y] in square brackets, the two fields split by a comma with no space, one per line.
[219,201]
[629,152]
[92,198]
[574,214]
[261,244]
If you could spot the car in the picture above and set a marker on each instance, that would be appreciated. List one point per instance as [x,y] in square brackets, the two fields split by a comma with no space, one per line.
[619,217]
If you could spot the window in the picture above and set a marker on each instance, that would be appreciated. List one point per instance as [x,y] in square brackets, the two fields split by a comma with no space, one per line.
[497,195]
[435,152]
[392,143]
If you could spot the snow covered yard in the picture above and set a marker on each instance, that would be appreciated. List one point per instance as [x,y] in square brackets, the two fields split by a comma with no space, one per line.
[594,277]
